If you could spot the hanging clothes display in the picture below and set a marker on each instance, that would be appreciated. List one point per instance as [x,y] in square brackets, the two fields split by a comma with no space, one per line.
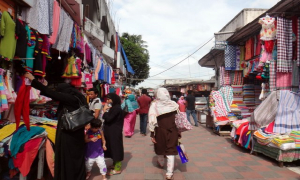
[268,31]
[55,21]
[71,70]
[64,33]
[22,39]
[230,57]
[8,40]
[31,35]
[249,49]
[284,45]
[3,97]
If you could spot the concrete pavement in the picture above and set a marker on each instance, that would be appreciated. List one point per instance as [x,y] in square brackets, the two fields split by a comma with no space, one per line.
[210,157]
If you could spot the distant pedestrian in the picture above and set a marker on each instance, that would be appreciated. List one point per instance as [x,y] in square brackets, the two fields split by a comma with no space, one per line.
[95,148]
[164,133]
[113,131]
[95,103]
[144,102]
[182,104]
[190,109]
[130,117]
[174,98]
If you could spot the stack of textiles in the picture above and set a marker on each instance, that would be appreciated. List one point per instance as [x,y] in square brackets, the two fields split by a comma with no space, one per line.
[241,135]
[235,125]
[262,137]
[257,91]
[248,95]
[296,136]
[245,111]
[283,142]
[237,94]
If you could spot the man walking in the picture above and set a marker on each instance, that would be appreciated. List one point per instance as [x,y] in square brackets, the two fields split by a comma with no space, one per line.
[190,109]
[95,103]
[144,102]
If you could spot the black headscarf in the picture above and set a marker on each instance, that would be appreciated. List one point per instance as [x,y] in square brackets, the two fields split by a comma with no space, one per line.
[116,100]
[69,89]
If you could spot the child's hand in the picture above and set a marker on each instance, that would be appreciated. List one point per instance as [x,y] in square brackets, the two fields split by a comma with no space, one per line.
[94,139]
[104,148]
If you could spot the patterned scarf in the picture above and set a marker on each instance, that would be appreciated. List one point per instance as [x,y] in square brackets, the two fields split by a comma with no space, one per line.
[230,57]
[162,105]
[285,45]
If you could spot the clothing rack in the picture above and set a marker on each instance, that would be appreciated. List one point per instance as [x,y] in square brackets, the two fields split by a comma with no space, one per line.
[22,58]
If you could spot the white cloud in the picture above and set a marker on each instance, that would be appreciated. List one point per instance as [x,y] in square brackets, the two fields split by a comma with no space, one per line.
[175,29]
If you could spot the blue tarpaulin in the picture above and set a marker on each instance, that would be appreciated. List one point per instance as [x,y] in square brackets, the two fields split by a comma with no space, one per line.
[128,66]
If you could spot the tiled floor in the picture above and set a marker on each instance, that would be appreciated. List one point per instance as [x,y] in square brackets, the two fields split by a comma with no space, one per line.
[211,157]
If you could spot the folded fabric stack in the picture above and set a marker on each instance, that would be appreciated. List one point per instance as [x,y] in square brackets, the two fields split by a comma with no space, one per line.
[257,91]
[296,136]
[249,94]
[283,142]
[263,138]
[237,123]
[237,94]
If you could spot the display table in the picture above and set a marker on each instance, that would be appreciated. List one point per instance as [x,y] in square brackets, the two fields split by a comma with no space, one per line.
[279,155]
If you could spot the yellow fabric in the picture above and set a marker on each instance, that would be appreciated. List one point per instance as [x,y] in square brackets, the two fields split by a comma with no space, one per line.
[50,131]
[8,130]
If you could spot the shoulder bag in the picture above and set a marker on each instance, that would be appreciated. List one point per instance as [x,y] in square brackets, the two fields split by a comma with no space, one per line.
[77,119]
[181,122]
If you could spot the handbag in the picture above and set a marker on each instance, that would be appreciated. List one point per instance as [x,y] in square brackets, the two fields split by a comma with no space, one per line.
[182,153]
[181,122]
[77,119]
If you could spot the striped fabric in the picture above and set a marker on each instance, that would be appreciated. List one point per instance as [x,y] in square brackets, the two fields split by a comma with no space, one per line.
[287,117]
[284,45]
[221,76]
[296,136]
[238,58]
[295,77]
[227,79]
[238,78]
[283,80]
[265,113]
[272,80]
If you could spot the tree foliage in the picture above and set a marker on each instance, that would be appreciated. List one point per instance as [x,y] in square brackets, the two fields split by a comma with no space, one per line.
[136,50]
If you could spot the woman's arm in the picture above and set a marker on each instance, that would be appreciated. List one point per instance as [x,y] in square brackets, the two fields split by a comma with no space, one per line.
[103,141]
[112,114]
[61,97]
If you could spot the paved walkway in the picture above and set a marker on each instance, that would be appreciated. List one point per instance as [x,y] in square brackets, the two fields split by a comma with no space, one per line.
[211,157]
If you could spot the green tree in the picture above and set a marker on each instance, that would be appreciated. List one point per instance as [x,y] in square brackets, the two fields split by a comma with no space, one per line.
[137,53]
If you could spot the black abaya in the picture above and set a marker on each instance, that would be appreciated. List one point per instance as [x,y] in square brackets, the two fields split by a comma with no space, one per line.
[69,146]
[113,132]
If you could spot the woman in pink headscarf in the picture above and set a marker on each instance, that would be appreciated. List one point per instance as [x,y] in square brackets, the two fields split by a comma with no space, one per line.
[182,104]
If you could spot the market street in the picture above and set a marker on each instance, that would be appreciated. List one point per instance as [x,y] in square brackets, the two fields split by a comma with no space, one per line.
[210,157]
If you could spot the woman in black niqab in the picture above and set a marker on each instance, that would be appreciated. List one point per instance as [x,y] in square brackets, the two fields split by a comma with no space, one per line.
[69,145]
[113,131]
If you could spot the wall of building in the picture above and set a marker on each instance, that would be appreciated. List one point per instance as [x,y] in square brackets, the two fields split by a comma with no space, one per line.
[240,20]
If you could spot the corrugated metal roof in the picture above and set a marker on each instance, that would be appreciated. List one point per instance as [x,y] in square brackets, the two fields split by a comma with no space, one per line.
[212,57]
[254,27]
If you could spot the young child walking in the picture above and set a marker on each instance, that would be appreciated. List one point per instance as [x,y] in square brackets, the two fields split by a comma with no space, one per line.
[95,140]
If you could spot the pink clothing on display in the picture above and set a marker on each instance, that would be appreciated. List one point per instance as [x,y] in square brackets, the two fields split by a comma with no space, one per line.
[88,80]
[129,123]
[269,128]
[56,14]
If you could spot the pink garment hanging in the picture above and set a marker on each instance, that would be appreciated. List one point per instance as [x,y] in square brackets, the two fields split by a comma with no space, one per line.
[50,157]
[56,14]
[269,128]
[283,80]
[129,123]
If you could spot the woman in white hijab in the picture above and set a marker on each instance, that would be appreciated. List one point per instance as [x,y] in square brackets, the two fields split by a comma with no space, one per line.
[164,133]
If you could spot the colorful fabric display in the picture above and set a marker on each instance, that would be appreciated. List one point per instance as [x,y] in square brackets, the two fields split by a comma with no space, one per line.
[230,57]
[287,117]
[283,80]
[295,77]
[219,104]
[268,30]
[296,136]
[238,78]
[284,45]
[298,43]
[279,140]
[272,79]
[227,94]
[3,94]
[21,136]
[265,113]
[71,70]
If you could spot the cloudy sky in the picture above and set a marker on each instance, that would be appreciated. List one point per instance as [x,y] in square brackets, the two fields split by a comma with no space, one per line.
[174,29]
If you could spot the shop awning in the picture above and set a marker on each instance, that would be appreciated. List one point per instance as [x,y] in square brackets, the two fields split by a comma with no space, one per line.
[74,8]
[213,58]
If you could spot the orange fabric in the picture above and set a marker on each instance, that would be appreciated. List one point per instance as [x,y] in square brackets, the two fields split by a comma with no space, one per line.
[50,157]
[249,49]
[24,159]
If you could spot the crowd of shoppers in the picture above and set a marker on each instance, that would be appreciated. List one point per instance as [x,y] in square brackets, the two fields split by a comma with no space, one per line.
[77,151]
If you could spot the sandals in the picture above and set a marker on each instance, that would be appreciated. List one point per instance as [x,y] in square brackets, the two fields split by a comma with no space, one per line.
[169,177]
[114,172]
